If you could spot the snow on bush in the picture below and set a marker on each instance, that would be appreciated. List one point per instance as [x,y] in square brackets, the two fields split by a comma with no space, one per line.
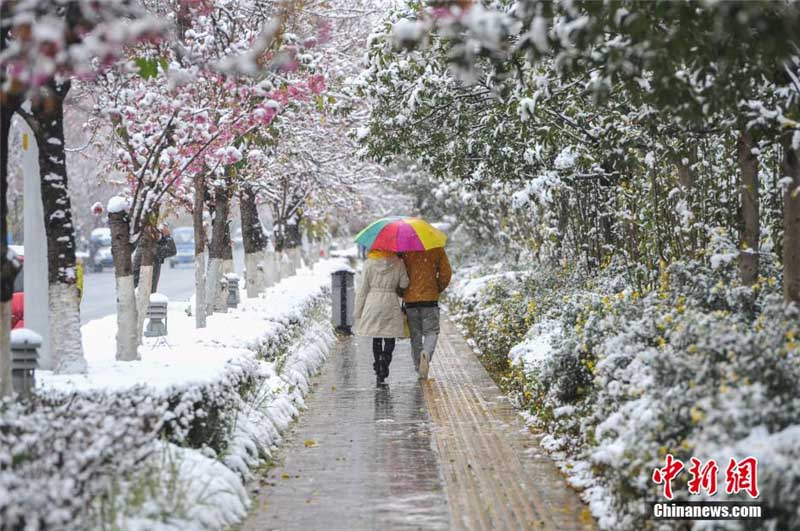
[694,365]
[167,442]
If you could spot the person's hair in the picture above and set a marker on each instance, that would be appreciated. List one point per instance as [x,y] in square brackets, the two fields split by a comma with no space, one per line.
[377,253]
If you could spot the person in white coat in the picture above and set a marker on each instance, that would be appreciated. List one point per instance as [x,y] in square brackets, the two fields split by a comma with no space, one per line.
[378,313]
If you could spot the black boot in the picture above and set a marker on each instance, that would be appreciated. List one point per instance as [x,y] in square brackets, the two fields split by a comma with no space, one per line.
[377,366]
[386,360]
[377,354]
[388,349]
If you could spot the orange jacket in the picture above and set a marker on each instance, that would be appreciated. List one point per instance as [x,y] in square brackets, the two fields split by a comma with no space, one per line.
[429,274]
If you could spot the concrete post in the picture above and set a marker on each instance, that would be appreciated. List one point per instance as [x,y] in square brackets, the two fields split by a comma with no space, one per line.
[233,290]
[24,347]
[37,305]
[157,316]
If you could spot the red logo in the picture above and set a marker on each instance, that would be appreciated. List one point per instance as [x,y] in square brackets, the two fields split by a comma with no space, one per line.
[739,476]
[703,477]
[742,476]
[666,474]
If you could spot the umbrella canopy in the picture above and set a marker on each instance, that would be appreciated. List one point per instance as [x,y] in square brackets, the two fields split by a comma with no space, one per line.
[399,235]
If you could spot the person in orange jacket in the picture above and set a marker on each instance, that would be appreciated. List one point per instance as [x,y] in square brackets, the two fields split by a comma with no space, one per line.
[429,275]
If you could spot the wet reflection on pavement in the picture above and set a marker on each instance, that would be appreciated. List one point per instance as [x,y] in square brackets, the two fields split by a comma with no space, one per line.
[360,457]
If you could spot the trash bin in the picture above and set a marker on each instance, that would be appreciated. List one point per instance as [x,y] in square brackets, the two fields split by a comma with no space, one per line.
[343,296]
[25,346]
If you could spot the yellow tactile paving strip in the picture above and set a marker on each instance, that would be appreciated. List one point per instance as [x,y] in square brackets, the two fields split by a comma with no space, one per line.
[495,476]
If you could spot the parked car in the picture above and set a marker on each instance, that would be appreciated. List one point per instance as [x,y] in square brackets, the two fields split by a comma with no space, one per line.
[184,244]
[100,249]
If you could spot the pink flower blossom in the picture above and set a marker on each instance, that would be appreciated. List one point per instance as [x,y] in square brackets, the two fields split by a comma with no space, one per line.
[316,84]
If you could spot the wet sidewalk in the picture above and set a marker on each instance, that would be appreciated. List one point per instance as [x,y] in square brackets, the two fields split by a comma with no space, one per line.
[497,475]
[360,457]
[450,454]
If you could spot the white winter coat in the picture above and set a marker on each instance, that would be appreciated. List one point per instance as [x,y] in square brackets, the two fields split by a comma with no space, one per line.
[378,311]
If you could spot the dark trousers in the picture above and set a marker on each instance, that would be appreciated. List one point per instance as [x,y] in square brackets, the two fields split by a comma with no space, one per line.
[382,348]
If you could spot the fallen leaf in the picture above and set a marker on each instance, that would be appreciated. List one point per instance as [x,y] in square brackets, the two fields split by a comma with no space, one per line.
[308,443]
[285,476]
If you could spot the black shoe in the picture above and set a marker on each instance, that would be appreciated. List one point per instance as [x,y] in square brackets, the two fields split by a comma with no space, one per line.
[380,381]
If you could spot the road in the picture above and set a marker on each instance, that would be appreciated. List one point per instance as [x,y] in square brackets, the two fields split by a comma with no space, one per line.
[99,291]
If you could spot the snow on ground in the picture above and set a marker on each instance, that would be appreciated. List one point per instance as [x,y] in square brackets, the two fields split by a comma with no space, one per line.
[272,345]
[188,355]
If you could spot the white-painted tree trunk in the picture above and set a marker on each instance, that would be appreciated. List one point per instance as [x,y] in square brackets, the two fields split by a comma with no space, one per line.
[287,268]
[127,320]
[65,329]
[227,266]
[217,297]
[5,349]
[200,290]
[275,258]
[212,283]
[252,263]
[143,298]
[268,263]
[263,260]
[295,253]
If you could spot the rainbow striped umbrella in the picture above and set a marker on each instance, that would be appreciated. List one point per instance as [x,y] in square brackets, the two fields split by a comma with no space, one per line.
[399,235]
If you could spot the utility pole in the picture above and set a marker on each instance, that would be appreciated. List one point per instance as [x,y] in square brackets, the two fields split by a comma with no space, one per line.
[37,317]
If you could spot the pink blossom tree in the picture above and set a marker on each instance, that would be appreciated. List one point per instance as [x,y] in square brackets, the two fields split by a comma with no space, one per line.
[44,44]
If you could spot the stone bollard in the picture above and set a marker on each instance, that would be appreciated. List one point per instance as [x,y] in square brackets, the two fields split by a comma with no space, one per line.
[157,316]
[343,299]
[25,346]
[233,290]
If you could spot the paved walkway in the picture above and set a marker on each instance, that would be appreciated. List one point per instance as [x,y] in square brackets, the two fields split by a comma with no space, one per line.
[450,454]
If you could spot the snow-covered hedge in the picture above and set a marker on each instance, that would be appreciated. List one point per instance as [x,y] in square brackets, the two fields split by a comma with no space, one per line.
[618,377]
[99,452]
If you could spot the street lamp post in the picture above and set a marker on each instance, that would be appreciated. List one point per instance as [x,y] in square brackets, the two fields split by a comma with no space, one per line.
[35,281]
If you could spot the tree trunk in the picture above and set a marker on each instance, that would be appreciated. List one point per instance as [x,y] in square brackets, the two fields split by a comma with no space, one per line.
[147,248]
[268,264]
[199,251]
[216,299]
[273,264]
[127,318]
[748,168]
[254,240]
[688,178]
[286,264]
[227,262]
[292,240]
[9,103]
[47,123]
[790,168]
